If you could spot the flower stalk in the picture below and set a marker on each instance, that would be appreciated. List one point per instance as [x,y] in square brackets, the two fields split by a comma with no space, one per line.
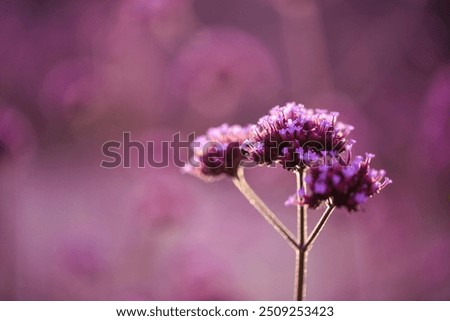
[309,142]
[318,228]
[241,183]
[302,234]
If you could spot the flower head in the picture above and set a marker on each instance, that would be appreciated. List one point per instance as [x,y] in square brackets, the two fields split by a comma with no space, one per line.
[217,154]
[346,186]
[296,137]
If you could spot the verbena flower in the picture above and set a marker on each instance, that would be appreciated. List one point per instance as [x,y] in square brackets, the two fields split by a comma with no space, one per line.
[296,137]
[217,154]
[346,186]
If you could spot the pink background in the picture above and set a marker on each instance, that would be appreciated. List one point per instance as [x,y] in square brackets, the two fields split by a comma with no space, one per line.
[74,74]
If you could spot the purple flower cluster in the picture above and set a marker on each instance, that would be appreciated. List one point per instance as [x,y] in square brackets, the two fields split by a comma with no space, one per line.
[307,140]
[218,153]
[345,186]
[297,137]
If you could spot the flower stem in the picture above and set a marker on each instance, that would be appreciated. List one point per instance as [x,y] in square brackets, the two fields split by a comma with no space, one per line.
[262,208]
[302,231]
[302,227]
[319,227]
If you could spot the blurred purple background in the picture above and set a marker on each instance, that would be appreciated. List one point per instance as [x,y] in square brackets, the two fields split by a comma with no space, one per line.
[74,74]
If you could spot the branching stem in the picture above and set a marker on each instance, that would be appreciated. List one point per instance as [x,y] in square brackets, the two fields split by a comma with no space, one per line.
[262,208]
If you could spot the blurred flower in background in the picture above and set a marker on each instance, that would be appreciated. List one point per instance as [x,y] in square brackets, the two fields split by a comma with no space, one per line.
[168,21]
[17,138]
[76,74]
[221,70]
[67,92]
